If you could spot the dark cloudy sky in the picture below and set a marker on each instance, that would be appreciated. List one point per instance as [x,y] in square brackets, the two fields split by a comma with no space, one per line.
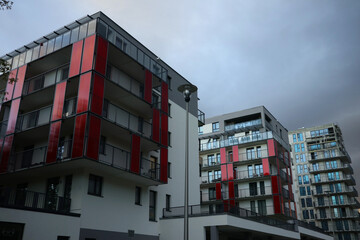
[299,58]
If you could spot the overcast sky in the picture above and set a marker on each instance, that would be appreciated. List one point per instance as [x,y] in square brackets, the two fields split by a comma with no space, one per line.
[300,59]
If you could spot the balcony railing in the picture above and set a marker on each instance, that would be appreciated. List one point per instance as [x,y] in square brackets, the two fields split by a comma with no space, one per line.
[323,167]
[236,140]
[321,155]
[201,117]
[284,176]
[238,194]
[36,201]
[245,174]
[244,125]
[325,203]
[120,158]
[326,190]
[198,210]
[3,126]
[125,119]
[33,119]
[323,179]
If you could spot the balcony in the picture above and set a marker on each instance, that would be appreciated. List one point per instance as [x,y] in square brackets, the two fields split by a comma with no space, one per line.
[348,179]
[201,118]
[35,201]
[353,202]
[239,194]
[329,168]
[33,119]
[321,155]
[351,191]
[236,141]
[246,175]
[244,126]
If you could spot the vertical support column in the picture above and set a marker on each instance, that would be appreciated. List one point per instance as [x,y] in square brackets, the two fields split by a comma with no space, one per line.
[276,196]
[53,142]
[135,154]
[266,166]
[223,164]
[235,150]
[84,93]
[79,136]
[163,165]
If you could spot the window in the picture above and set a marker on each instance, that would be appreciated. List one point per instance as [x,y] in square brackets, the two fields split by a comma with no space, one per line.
[152,206]
[262,187]
[217,174]
[305,168]
[262,207]
[308,202]
[302,147]
[303,202]
[200,130]
[102,145]
[319,189]
[315,166]
[215,127]
[253,189]
[95,185]
[210,176]
[252,207]
[169,169]
[297,148]
[167,202]
[306,179]
[294,137]
[250,171]
[302,191]
[212,193]
[322,213]
[308,190]
[299,169]
[303,157]
[250,153]
[300,137]
[258,151]
[324,225]
[305,214]
[258,169]
[138,195]
[297,158]
[321,201]
[300,180]
[312,214]
[317,177]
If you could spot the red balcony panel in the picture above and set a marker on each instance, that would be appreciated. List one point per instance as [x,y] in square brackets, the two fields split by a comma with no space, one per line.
[235,150]
[226,205]
[97,95]
[218,191]
[277,205]
[75,58]
[164,165]
[14,111]
[271,147]
[88,54]
[6,153]
[164,129]
[101,55]
[84,93]
[58,105]
[222,155]
[156,125]
[19,82]
[79,136]
[223,172]
[10,86]
[274,184]
[230,171]
[148,86]
[232,203]
[231,190]
[266,166]
[135,154]
[92,150]
[164,96]
[53,142]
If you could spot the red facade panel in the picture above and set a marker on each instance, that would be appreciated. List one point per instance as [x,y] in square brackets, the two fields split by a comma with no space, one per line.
[235,150]
[101,55]
[155,125]
[14,110]
[19,81]
[58,105]
[79,136]
[148,86]
[274,185]
[75,59]
[92,150]
[223,172]
[97,98]
[231,190]
[164,165]
[10,86]
[164,129]
[53,142]
[222,155]
[135,154]
[266,166]
[164,97]
[84,93]
[277,205]
[6,153]
[271,147]
[88,54]
[230,171]
[218,191]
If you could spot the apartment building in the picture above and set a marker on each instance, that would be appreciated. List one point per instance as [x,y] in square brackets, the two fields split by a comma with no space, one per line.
[323,180]
[90,134]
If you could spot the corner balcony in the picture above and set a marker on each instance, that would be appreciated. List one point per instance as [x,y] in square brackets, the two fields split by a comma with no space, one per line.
[244,126]
[320,156]
[35,201]
[201,118]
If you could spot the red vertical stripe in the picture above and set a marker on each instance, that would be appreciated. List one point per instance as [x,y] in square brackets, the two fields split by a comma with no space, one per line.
[97,95]
[148,86]
[274,184]
[230,171]
[164,129]
[231,190]
[75,59]
[164,97]
[235,150]
[271,147]
[218,191]
[277,206]
[92,150]
[266,166]
[163,165]
[226,205]
[88,54]
[14,110]
[59,98]
[84,93]
[222,155]
[10,86]
[19,81]
[6,153]
[101,55]
[223,172]
[135,154]
[53,142]
[79,136]
[155,125]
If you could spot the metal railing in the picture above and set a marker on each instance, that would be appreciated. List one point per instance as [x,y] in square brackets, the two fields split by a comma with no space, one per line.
[243,125]
[198,210]
[238,193]
[334,178]
[33,119]
[309,226]
[201,117]
[325,203]
[30,200]
[323,167]
[320,155]
[325,190]
[236,140]
[28,158]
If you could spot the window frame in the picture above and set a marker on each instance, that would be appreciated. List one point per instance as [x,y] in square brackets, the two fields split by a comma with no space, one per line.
[97,180]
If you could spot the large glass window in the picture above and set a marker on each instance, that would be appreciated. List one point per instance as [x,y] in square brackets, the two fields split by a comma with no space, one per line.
[250,171]
[212,193]
[250,153]
[309,202]
[303,157]
[262,207]
[297,148]
[317,178]
[215,127]
[95,185]
[294,137]
[253,189]
[217,174]
[210,176]
[300,180]
[302,191]
[258,169]
[306,179]
[299,169]
[302,147]
[152,206]
[297,158]
[300,137]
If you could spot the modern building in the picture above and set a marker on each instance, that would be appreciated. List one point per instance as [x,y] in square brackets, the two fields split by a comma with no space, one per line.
[323,180]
